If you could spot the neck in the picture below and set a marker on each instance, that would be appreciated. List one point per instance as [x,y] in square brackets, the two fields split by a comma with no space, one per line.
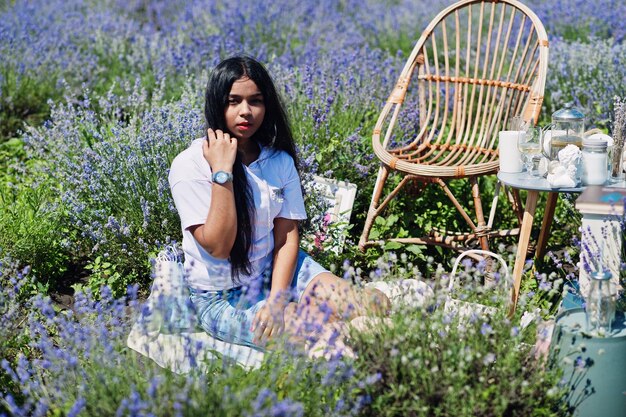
[249,151]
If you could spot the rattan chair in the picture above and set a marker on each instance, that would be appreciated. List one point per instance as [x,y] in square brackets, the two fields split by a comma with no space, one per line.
[477,65]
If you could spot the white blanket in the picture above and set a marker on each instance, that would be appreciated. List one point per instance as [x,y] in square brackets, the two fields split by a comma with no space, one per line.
[166,330]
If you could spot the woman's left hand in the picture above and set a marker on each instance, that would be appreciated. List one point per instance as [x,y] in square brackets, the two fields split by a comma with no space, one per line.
[269,322]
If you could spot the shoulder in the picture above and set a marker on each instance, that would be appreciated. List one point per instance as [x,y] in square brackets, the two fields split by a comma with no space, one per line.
[189,164]
[280,166]
[277,157]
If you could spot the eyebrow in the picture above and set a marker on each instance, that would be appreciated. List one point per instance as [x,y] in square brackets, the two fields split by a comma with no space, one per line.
[239,95]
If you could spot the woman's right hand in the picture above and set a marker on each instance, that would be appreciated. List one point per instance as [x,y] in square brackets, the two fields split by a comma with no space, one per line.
[220,150]
[269,321]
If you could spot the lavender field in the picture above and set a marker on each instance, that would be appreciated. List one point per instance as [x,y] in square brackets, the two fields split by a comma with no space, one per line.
[96,99]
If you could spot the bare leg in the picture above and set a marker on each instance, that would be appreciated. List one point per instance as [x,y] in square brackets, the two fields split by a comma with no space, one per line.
[304,323]
[342,299]
[308,326]
[318,322]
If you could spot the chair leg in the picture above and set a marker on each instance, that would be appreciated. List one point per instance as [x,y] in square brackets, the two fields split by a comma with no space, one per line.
[372,212]
[480,217]
[516,202]
[494,205]
[481,226]
[456,203]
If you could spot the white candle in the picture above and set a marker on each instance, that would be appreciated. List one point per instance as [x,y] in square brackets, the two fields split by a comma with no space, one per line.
[510,158]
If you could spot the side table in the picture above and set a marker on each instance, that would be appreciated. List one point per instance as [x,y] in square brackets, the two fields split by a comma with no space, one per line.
[522,181]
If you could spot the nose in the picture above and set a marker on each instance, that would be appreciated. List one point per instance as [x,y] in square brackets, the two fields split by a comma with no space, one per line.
[245,109]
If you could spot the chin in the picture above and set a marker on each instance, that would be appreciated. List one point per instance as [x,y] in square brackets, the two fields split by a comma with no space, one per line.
[244,135]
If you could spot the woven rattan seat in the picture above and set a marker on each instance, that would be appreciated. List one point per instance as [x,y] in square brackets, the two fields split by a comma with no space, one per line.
[476,65]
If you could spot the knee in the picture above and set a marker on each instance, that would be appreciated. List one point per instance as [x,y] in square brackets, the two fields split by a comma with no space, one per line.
[379,302]
[326,285]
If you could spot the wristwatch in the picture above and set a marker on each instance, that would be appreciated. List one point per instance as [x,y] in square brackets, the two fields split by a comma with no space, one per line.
[222,177]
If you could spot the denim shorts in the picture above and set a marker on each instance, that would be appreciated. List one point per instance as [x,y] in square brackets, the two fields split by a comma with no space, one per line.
[227,314]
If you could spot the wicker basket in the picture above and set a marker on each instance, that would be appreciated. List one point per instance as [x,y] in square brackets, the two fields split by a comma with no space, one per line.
[466,309]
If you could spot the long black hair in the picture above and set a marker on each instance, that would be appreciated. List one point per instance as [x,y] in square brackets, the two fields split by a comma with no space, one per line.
[274,133]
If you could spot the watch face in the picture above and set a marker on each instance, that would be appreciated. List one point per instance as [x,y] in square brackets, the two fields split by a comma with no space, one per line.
[221,177]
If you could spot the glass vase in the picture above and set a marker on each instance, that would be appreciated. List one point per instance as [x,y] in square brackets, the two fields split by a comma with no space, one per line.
[616,162]
[600,304]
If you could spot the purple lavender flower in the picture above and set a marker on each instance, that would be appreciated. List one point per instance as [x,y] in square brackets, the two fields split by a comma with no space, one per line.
[486,329]
[545,285]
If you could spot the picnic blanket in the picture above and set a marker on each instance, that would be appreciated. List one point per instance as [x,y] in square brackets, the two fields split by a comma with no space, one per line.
[167,332]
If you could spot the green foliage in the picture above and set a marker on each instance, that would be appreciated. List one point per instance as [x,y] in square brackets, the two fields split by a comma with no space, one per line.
[420,363]
[14,334]
[334,131]
[397,41]
[31,230]
[110,168]
[418,211]
[104,273]
[11,151]
[119,58]
[23,100]
[430,364]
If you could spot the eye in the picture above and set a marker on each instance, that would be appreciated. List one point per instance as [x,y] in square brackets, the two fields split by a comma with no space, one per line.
[232,101]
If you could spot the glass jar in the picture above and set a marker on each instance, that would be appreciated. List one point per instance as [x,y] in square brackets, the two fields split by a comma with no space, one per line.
[595,161]
[600,303]
[567,128]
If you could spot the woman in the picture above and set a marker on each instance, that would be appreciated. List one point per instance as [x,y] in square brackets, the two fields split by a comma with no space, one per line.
[239,198]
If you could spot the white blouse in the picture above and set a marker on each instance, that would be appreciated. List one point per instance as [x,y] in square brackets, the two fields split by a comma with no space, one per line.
[277,192]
